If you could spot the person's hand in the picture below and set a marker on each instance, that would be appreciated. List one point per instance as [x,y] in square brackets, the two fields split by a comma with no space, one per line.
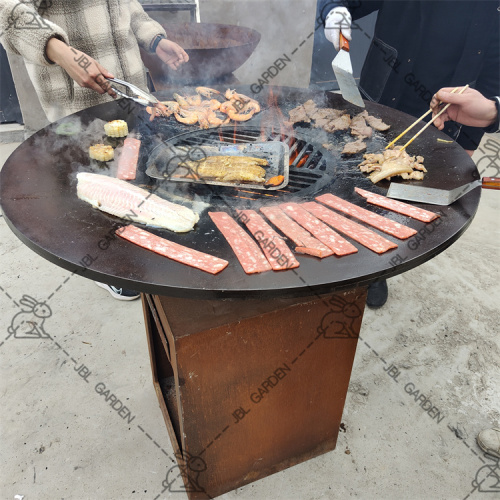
[338,20]
[470,108]
[85,70]
[171,54]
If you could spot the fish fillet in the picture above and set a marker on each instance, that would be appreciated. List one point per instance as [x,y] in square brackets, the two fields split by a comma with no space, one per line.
[117,197]
[230,169]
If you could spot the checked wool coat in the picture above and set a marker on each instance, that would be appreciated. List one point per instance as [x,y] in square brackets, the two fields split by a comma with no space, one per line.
[110,31]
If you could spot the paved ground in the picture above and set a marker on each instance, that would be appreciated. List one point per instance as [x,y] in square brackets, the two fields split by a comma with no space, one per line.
[60,439]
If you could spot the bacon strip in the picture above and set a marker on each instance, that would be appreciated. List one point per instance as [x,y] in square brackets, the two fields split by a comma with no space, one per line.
[127,163]
[306,243]
[397,206]
[387,225]
[248,253]
[172,250]
[326,235]
[356,231]
[275,249]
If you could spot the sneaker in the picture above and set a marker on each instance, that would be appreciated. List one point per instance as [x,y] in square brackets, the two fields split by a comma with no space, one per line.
[489,441]
[119,293]
[377,294]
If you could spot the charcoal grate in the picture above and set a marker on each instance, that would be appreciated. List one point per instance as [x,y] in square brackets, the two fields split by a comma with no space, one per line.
[307,170]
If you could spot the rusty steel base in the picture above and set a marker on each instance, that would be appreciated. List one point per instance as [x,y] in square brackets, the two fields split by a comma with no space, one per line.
[250,387]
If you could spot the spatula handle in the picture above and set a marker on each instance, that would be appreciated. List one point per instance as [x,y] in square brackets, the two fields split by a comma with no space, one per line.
[491,182]
[344,43]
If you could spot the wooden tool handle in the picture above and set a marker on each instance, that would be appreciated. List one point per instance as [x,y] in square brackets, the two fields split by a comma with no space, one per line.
[491,183]
[344,43]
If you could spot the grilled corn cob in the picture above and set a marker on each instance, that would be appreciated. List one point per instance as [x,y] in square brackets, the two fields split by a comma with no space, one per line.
[101,152]
[116,128]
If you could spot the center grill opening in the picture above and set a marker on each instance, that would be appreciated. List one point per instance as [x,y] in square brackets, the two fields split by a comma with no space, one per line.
[307,164]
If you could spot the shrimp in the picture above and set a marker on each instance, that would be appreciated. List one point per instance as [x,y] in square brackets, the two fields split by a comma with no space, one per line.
[172,106]
[215,121]
[194,100]
[242,103]
[227,106]
[186,117]
[181,101]
[206,91]
[212,104]
[239,117]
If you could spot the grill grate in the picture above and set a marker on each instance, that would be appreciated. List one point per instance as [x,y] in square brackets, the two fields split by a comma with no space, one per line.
[307,170]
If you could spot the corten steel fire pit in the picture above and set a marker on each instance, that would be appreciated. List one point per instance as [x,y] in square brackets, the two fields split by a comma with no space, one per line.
[251,371]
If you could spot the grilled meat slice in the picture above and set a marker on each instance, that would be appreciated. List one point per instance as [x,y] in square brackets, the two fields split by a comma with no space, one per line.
[354,147]
[359,128]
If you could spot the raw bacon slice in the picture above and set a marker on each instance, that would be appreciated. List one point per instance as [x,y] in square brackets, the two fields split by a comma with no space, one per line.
[326,235]
[127,163]
[172,250]
[387,225]
[275,249]
[306,243]
[397,206]
[356,231]
[248,253]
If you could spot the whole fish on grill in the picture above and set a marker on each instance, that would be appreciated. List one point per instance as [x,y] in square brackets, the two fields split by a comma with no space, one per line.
[130,202]
[229,169]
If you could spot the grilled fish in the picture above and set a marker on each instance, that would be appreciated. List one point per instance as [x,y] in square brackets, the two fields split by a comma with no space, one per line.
[130,202]
[230,169]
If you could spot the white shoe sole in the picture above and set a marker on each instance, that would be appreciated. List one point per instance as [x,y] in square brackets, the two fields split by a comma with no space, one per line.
[116,296]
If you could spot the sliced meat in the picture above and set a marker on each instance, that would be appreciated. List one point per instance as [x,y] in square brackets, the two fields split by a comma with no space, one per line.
[356,231]
[275,249]
[374,122]
[321,231]
[172,250]
[248,253]
[310,107]
[386,225]
[299,114]
[341,123]
[327,114]
[354,147]
[306,243]
[127,163]
[397,206]
[359,128]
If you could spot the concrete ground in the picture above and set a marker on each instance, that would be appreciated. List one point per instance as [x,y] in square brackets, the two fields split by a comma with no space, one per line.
[60,439]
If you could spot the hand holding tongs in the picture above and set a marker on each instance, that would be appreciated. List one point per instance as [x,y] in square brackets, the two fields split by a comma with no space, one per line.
[144,98]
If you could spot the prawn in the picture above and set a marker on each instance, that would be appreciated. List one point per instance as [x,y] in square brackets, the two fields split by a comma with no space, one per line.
[206,91]
[186,117]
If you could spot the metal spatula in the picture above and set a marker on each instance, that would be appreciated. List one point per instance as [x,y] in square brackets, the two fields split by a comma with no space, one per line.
[435,196]
[342,68]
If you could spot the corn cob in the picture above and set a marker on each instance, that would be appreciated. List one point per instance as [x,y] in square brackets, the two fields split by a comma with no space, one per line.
[101,152]
[116,128]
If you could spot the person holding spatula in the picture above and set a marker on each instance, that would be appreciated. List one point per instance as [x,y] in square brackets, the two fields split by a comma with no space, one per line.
[472,108]
[419,46]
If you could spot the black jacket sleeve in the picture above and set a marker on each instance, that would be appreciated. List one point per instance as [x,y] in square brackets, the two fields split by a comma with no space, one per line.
[488,83]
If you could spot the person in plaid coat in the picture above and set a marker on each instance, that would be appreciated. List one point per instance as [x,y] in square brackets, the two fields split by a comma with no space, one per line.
[70,46]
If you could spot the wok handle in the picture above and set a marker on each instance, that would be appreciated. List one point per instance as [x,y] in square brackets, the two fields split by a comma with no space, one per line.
[344,43]
[490,183]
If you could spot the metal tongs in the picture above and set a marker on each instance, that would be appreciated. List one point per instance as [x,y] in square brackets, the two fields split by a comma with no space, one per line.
[142,97]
